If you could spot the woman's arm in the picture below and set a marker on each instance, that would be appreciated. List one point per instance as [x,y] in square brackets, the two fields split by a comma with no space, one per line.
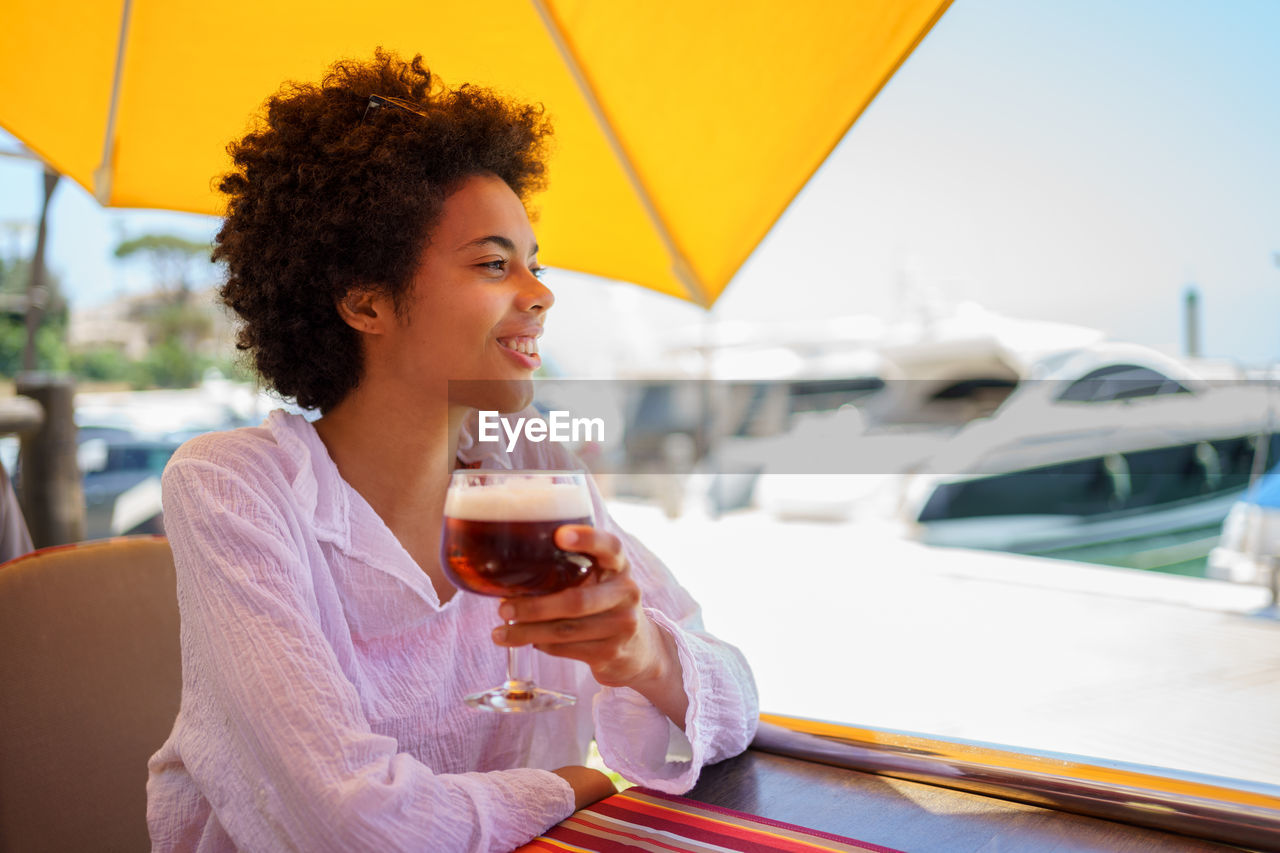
[273,731]
[668,685]
[700,703]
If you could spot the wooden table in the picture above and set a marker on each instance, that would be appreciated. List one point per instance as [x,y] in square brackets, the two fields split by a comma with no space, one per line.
[911,816]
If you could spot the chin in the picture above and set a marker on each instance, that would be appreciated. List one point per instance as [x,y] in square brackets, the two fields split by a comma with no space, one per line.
[492,395]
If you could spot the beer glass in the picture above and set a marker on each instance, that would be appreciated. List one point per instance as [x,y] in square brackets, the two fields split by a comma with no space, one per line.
[498,540]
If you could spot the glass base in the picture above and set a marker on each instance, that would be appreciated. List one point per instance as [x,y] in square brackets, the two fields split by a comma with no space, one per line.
[516,698]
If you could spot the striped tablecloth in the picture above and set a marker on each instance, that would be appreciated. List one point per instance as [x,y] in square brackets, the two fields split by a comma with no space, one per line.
[643,820]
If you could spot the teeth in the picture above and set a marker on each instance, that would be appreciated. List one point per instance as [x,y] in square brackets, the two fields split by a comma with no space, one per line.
[528,346]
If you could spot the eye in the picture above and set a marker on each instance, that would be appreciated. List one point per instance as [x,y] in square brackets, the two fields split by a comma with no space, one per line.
[496,266]
[538,272]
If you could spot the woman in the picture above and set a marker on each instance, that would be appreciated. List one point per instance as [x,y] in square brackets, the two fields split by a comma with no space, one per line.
[378,247]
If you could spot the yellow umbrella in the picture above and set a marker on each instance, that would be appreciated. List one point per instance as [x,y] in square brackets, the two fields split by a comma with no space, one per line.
[683,129]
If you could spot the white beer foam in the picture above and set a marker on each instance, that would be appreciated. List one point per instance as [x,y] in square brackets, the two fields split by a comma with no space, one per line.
[518,500]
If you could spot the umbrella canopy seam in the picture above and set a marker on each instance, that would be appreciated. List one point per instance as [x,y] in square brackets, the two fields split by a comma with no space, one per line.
[103,174]
[680,265]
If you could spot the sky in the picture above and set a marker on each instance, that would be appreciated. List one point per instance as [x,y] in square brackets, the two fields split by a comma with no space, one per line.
[1073,160]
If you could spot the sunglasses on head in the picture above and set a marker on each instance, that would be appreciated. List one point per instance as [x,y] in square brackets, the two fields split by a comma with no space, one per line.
[377,102]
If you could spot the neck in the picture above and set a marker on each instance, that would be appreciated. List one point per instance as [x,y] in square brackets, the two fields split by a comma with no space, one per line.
[397,457]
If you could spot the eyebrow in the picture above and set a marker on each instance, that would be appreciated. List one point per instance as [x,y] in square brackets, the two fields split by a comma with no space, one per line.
[497,239]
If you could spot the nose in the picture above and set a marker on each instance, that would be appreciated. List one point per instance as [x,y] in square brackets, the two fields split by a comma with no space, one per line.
[535,296]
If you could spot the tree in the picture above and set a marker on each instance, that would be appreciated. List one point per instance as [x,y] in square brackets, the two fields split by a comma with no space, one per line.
[172,260]
[176,327]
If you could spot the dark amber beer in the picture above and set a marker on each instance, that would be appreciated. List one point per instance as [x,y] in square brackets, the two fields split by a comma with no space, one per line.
[500,539]
[509,558]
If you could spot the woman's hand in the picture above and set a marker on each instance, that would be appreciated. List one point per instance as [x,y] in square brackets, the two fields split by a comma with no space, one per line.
[589,785]
[600,623]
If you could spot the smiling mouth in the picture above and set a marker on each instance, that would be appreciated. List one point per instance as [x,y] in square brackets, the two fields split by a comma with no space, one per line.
[523,345]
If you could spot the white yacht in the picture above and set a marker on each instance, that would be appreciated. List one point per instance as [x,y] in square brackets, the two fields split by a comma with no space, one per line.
[1113,454]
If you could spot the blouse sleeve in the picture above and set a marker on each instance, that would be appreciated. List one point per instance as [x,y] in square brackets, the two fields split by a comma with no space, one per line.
[277,740]
[634,737]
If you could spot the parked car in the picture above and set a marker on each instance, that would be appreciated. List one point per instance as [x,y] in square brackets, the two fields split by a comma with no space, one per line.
[122,482]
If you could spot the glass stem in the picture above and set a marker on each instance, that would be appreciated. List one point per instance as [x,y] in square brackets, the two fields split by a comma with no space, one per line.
[517,686]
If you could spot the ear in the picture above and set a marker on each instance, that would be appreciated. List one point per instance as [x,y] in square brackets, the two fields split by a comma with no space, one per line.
[365,309]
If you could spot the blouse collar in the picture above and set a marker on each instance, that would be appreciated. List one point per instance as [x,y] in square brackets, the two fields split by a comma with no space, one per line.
[321,492]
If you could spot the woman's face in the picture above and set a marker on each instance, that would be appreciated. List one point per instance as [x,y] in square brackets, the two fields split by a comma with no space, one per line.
[469,328]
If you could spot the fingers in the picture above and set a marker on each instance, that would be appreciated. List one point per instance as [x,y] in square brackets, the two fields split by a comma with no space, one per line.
[619,623]
[600,623]
[600,544]
[616,590]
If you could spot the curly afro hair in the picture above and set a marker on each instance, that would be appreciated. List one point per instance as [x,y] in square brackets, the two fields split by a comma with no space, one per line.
[324,198]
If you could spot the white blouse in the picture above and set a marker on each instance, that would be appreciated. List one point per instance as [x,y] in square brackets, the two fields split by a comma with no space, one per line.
[323,679]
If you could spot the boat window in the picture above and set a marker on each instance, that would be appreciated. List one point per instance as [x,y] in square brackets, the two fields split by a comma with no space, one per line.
[968,388]
[1120,382]
[821,395]
[1083,487]
[1139,480]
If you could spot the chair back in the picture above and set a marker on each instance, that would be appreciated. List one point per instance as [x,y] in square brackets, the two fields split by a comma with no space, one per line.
[90,680]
